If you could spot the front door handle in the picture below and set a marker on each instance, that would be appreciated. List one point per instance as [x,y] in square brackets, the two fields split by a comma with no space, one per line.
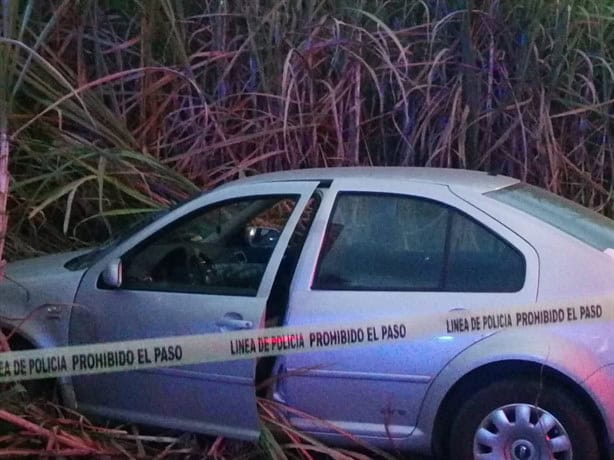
[54,312]
[234,321]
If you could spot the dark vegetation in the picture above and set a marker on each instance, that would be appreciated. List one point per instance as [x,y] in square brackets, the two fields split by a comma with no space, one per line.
[114,108]
[110,109]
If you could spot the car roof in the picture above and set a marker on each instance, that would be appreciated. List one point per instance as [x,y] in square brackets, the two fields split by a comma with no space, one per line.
[478,181]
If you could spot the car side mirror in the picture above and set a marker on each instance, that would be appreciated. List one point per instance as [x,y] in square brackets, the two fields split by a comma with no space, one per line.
[262,237]
[112,274]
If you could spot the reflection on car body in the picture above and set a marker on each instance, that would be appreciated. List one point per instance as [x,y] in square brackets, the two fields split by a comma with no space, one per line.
[341,246]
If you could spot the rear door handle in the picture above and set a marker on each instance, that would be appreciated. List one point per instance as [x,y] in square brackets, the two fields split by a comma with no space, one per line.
[234,321]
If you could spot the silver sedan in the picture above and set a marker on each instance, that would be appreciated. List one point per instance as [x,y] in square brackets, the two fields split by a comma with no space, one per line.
[340,246]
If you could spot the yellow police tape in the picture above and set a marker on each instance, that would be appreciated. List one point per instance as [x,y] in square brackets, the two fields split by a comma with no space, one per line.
[226,346]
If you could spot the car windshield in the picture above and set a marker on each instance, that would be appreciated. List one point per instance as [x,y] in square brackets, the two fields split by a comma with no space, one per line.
[91,257]
[582,223]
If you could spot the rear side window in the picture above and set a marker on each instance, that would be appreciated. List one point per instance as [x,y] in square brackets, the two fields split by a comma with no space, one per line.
[399,243]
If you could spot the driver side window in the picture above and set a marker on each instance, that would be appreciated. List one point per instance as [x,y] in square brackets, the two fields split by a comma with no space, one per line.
[222,250]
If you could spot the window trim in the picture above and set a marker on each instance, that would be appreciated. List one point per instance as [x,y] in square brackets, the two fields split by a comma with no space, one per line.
[446,256]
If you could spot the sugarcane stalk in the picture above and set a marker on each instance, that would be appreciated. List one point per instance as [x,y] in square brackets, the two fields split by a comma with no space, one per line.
[4,187]
[4,140]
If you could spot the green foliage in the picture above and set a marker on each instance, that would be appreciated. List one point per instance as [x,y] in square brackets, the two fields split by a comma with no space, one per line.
[134,105]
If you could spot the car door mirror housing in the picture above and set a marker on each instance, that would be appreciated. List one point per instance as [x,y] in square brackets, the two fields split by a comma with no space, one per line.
[261,237]
[112,274]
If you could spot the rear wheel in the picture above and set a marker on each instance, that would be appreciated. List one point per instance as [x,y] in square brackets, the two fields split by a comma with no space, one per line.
[521,419]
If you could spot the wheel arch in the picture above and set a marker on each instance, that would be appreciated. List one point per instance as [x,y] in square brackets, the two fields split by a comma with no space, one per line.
[488,373]
[19,340]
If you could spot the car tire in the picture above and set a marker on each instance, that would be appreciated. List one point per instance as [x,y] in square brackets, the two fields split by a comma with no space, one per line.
[501,421]
[38,389]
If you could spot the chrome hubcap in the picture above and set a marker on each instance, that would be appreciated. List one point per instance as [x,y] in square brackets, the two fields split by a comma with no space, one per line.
[521,432]
[522,450]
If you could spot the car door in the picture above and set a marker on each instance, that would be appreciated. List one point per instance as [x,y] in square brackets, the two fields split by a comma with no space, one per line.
[390,249]
[206,267]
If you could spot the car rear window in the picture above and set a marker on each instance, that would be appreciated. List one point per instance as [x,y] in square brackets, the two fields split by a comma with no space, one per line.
[582,223]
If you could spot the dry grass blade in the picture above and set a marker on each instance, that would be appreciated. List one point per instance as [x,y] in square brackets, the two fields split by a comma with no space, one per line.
[275,413]
[39,429]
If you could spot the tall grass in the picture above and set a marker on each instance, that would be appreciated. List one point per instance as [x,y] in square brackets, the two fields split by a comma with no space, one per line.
[122,107]
[5,76]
